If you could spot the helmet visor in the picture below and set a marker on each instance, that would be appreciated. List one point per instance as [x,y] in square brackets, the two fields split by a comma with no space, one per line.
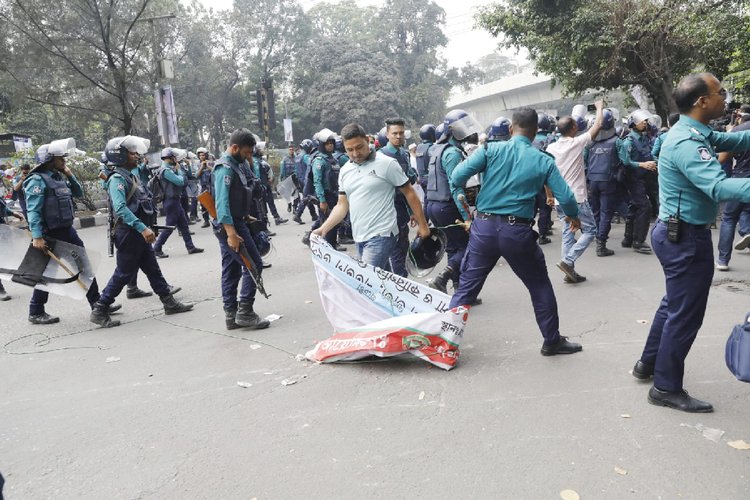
[464,127]
[135,144]
[62,147]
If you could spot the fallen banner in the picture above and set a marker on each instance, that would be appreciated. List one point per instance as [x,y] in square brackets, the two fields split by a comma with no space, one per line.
[377,313]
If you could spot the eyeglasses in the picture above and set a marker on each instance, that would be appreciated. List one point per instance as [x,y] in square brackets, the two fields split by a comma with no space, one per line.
[722,92]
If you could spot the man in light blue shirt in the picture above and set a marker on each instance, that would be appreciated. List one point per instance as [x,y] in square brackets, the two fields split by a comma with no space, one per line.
[692,183]
[366,190]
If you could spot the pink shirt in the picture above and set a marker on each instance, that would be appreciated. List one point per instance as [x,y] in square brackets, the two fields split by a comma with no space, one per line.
[568,153]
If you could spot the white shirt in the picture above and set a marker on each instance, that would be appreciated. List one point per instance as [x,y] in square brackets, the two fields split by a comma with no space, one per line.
[568,153]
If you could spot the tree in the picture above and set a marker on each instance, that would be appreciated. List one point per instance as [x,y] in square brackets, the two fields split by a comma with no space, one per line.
[608,44]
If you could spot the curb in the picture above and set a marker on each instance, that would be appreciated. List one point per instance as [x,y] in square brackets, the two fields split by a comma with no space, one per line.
[89,221]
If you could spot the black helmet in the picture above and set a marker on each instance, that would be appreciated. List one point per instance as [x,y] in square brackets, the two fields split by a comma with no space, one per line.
[425,254]
[306,145]
[427,132]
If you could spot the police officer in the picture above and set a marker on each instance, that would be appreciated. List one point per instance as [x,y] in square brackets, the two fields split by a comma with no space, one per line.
[18,193]
[265,174]
[513,173]
[692,184]
[204,179]
[235,192]
[393,147]
[288,167]
[173,181]
[4,213]
[602,162]
[325,181]
[635,153]
[49,190]
[427,136]
[131,201]
[305,178]
[543,205]
[499,129]
[444,207]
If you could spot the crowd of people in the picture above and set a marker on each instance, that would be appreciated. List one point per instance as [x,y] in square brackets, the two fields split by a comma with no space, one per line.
[478,192]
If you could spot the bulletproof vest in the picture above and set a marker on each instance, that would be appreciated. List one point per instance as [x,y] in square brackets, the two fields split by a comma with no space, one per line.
[140,201]
[403,160]
[300,166]
[171,190]
[341,158]
[438,187]
[602,159]
[642,149]
[290,166]
[423,158]
[241,192]
[331,174]
[58,208]
[265,169]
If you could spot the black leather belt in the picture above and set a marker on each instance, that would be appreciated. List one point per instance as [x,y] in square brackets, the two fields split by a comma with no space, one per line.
[688,225]
[508,219]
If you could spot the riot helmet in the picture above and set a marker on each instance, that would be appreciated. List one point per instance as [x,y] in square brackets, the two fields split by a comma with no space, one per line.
[306,145]
[460,124]
[61,148]
[544,123]
[425,254]
[117,149]
[41,156]
[637,117]
[427,132]
[499,130]
[382,137]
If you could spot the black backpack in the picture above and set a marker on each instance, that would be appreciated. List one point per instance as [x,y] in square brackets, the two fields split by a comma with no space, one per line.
[155,187]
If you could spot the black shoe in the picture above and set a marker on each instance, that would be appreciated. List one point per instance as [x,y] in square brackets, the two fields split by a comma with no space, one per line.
[115,307]
[298,219]
[172,306]
[137,293]
[160,254]
[270,233]
[641,248]
[194,250]
[306,238]
[100,316]
[205,224]
[626,243]
[679,401]
[43,319]
[643,371]
[4,296]
[440,283]
[279,221]
[602,250]
[476,302]
[174,289]
[247,318]
[544,240]
[568,270]
[340,248]
[561,347]
[229,315]
[289,208]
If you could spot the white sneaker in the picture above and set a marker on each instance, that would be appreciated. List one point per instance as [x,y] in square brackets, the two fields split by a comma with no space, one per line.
[742,243]
[722,267]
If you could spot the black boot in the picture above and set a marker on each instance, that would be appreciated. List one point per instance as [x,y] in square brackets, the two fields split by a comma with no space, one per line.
[229,315]
[440,282]
[100,316]
[641,247]
[172,306]
[247,318]
[137,293]
[602,250]
[627,240]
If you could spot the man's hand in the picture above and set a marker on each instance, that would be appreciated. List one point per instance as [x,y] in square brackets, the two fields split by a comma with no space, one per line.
[424,232]
[234,241]
[551,201]
[575,224]
[67,172]
[19,216]
[148,235]
[648,165]
[324,207]
[465,223]
[319,232]
[39,243]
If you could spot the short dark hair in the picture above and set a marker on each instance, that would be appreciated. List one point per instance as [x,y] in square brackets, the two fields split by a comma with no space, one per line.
[673,118]
[352,130]
[525,119]
[565,125]
[25,166]
[689,90]
[395,121]
[242,137]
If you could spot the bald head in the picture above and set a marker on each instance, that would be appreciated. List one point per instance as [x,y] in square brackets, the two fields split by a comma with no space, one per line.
[567,126]
[690,89]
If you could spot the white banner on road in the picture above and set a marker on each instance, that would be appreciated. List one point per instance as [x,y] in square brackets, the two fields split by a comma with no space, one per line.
[377,313]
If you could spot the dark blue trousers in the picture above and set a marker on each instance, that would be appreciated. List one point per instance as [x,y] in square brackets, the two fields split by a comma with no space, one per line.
[307,192]
[331,236]
[639,209]
[234,274]
[38,297]
[603,200]
[175,217]
[688,268]
[133,253]
[544,223]
[443,214]
[491,239]
[269,201]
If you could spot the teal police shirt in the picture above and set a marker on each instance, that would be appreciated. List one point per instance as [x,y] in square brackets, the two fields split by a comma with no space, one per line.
[690,174]
[117,187]
[452,157]
[35,190]
[223,175]
[513,173]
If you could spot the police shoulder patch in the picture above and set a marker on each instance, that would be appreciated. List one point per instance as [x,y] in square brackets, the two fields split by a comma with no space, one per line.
[36,190]
[704,154]
[227,180]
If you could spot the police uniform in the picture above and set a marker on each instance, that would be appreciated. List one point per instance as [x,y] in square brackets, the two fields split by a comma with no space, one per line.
[635,149]
[692,184]
[513,173]
[443,207]
[173,182]
[325,182]
[602,161]
[49,204]
[305,187]
[544,222]
[143,175]
[235,191]
[403,213]
[423,162]
[345,228]
[265,174]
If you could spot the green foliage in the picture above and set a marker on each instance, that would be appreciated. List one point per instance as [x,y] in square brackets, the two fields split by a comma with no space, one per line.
[610,44]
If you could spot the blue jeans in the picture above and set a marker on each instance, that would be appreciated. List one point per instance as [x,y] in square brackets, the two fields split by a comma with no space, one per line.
[376,251]
[734,212]
[572,249]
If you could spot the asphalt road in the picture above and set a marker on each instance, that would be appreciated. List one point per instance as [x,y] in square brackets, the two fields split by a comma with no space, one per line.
[153,409]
